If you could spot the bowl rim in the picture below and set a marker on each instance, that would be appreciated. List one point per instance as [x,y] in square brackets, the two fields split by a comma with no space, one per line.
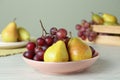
[97,56]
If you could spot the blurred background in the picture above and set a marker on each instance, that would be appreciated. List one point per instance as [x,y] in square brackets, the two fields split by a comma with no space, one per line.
[57,13]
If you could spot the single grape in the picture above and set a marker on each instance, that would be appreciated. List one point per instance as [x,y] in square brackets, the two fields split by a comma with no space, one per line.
[36,58]
[78,27]
[44,47]
[61,33]
[40,41]
[82,29]
[86,25]
[90,38]
[83,37]
[31,46]
[39,55]
[87,33]
[29,54]
[38,48]
[53,30]
[80,33]
[93,34]
[49,40]
[55,39]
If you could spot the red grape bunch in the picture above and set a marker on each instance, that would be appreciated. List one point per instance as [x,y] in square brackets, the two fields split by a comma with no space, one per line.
[84,31]
[35,50]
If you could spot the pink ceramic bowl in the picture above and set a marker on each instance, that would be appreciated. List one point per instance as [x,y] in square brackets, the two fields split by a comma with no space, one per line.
[61,67]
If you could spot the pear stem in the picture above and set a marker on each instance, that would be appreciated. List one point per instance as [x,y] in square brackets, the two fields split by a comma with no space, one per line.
[43,29]
[70,34]
[14,19]
[92,13]
[100,13]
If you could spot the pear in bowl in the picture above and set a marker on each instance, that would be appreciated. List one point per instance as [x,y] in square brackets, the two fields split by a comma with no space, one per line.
[78,50]
[56,53]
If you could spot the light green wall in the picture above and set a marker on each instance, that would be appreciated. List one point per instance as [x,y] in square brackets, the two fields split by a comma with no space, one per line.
[58,13]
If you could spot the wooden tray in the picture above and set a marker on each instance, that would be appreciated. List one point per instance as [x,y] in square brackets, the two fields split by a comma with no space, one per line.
[107,39]
[106,29]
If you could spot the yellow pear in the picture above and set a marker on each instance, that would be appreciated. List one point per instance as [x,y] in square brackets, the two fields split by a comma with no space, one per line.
[78,50]
[56,53]
[97,18]
[109,18]
[24,35]
[9,33]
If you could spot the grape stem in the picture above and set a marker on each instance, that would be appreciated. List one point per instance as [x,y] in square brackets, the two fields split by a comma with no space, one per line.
[43,29]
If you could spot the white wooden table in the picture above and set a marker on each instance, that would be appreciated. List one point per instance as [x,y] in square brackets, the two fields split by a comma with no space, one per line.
[107,67]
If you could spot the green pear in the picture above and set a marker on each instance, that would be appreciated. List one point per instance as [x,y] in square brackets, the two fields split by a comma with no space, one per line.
[109,18]
[97,18]
[24,35]
[9,33]
[56,53]
[78,50]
